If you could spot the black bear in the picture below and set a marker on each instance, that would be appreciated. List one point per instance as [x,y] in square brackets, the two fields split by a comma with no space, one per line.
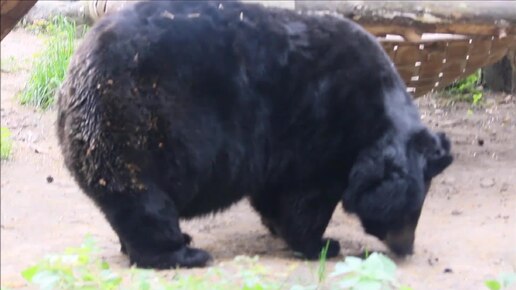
[173,110]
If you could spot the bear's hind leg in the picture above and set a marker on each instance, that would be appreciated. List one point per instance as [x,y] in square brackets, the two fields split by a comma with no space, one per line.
[147,224]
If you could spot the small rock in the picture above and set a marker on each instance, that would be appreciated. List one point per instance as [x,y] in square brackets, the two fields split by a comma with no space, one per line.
[448,270]
[487,182]
[50,179]
[456,212]
[448,180]
[438,112]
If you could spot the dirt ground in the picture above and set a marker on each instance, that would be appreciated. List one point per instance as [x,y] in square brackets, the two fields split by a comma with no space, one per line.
[468,224]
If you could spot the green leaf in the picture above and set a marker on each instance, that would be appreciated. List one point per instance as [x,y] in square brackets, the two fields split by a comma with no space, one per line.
[379,267]
[104,265]
[28,274]
[144,285]
[46,279]
[493,285]
[350,264]
[349,282]
[476,98]
[368,285]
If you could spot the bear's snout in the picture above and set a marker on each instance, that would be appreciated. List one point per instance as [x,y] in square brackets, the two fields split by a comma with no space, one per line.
[401,242]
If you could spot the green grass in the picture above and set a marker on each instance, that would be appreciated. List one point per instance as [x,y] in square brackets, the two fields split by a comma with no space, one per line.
[80,269]
[322,263]
[6,143]
[50,66]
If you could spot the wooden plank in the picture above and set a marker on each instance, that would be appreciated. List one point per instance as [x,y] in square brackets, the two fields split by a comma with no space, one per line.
[479,46]
[406,72]
[408,55]
[457,50]
[429,70]
[389,49]
[11,12]
[503,42]
[413,17]
[423,90]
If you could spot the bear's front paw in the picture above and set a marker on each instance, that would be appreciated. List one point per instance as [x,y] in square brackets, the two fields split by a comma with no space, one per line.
[333,247]
[184,257]
[313,251]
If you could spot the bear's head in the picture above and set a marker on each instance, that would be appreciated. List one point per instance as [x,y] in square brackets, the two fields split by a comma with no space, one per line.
[389,182]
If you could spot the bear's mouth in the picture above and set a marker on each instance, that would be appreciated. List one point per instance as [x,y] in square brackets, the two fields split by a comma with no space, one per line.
[401,242]
[401,239]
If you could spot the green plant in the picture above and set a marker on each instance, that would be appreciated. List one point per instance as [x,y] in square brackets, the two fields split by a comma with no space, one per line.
[81,269]
[375,272]
[6,143]
[466,89]
[466,85]
[75,269]
[50,67]
[503,282]
[322,262]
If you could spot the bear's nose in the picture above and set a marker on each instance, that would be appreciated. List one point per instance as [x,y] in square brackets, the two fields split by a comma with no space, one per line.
[401,242]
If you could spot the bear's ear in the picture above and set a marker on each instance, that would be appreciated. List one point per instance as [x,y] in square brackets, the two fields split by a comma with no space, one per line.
[436,149]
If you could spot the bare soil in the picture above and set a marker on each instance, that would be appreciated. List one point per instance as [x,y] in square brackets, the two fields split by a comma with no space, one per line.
[468,224]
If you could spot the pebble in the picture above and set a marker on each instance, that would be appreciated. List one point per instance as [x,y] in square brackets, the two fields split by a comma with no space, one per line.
[448,180]
[50,179]
[487,182]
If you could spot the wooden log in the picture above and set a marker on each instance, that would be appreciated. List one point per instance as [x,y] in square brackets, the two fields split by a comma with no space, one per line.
[413,18]
[12,11]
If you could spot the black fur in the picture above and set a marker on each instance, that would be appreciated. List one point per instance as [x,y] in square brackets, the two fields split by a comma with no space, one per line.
[174,110]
